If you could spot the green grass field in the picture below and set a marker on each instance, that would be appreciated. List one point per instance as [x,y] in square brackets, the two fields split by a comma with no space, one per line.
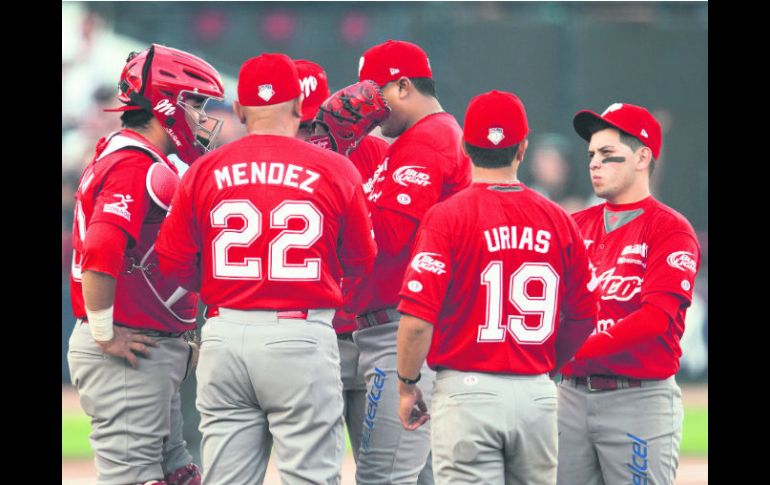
[75,427]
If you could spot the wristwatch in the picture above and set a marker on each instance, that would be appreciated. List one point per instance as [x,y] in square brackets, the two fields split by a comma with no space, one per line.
[406,380]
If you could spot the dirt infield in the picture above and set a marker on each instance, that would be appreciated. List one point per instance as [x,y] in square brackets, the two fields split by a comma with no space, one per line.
[692,470]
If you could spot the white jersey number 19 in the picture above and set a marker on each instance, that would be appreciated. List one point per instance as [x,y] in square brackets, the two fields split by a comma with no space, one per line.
[544,305]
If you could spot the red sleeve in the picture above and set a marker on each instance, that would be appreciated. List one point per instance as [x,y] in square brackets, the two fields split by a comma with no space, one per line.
[177,246]
[646,322]
[414,180]
[671,270]
[580,301]
[123,199]
[357,248]
[104,248]
[427,278]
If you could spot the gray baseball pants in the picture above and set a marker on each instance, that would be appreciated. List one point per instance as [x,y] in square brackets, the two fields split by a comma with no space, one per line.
[353,391]
[389,453]
[265,381]
[629,435]
[136,417]
[494,429]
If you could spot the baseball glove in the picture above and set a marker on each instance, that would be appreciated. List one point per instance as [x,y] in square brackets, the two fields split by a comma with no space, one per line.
[348,115]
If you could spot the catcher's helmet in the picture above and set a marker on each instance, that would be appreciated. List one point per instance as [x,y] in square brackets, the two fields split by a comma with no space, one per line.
[160,80]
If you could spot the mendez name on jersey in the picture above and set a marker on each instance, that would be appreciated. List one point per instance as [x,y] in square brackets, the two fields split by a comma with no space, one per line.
[513,237]
[266,173]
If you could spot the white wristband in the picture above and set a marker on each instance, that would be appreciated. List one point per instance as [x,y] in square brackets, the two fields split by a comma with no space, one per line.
[100,323]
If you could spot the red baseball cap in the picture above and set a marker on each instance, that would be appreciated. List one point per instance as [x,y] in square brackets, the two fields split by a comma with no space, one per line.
[392,59]
[495,120]
[631,119]
[314,85]
[267,79]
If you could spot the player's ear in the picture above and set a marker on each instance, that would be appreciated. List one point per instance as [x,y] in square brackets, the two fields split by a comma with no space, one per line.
[405,86]
[523,144]
[645,157]
[296,107]
[239,112]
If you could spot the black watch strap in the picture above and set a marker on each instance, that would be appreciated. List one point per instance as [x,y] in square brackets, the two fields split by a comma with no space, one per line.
[406,380]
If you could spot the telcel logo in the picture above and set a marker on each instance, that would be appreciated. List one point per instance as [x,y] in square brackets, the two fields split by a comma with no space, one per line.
[371,406]
[638,465]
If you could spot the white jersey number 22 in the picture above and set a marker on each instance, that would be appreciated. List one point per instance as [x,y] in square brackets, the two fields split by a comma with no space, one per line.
[278,268]
[494,330]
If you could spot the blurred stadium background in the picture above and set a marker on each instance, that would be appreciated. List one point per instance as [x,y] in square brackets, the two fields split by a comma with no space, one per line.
[559,57]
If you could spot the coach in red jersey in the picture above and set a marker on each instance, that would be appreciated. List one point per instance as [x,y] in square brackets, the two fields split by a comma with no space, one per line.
[127,354]
[272,223]
[424,165]
[497,297]
[620,409]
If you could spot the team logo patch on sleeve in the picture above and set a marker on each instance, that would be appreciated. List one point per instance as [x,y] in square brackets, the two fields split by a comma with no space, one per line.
[409,174]
[681,260]
[120,208]
[414,286]
[428,262]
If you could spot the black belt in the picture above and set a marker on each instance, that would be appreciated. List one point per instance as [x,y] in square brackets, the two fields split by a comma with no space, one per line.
[605,383]
[379,317]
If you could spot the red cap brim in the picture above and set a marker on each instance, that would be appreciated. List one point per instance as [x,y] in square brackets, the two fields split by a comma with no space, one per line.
[123,108]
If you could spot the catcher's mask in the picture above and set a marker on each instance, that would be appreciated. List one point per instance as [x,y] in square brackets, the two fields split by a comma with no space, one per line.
[161,80]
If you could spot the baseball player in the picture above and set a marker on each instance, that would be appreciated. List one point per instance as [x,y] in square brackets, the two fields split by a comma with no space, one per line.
[423,166]
[496,295]
[620,409]
[270,223]
[126,353]
[314,86]
[342,124]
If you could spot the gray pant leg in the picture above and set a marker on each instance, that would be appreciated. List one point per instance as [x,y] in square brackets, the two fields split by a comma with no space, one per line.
[531,453]
[354,392]
[639,433]
[175,454]
[235,443]
[388,453]
[578,462]
[426,474]
[301,390]
[494,429]
[130,409]
[264,382]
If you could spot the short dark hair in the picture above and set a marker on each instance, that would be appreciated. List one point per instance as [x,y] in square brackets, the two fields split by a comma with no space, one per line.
[627,139]
[136,118]
[425,85]
[491,157]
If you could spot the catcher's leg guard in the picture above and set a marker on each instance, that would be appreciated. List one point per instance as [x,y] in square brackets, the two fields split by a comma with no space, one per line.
[186,475]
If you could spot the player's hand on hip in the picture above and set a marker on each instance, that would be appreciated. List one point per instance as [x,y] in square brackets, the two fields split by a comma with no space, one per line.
[412,410]
[128,343]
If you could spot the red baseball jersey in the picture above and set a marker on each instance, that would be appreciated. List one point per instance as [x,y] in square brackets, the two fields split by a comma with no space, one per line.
[423,166]
[494,269]
[116,188]
[639,250]
[275,222]
[369,153]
